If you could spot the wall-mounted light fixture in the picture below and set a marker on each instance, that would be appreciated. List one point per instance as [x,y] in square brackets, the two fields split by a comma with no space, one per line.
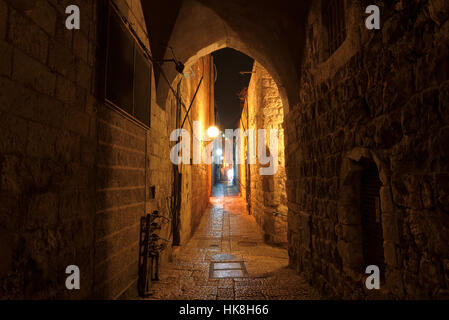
[213,132]
[178,64]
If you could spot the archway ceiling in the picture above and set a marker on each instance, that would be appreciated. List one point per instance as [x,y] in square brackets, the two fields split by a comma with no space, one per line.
[271,32]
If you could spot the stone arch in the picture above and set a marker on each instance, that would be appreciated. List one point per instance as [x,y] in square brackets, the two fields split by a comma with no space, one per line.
[349,227]
[202,27]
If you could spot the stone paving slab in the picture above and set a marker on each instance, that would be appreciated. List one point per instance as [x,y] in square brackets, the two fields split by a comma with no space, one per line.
[226,228]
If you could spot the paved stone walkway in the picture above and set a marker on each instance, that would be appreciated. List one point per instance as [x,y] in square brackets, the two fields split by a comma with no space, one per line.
[227,259]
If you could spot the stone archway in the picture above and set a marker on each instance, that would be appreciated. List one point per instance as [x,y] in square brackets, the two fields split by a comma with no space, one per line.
[201,27]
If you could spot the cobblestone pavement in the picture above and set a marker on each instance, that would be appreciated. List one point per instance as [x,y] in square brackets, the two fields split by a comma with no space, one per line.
[229,243]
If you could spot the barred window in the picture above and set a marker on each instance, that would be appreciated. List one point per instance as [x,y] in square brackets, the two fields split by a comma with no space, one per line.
[335,24]
[128,72]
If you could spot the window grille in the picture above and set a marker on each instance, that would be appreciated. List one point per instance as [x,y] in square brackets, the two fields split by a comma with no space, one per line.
[373,250]
[335,24]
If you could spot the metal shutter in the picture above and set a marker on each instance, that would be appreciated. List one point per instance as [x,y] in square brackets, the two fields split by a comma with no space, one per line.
[370,210]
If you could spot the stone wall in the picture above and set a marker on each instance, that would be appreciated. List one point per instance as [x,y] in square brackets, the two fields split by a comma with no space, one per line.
[196,178]
[267,194]
[47,149]
[124,175]
[202,111]
[244,167]
[381,97]
[77,174]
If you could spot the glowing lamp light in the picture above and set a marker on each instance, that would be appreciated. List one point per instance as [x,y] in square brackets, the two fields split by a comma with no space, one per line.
[219,152]
[230,175]
[213,132]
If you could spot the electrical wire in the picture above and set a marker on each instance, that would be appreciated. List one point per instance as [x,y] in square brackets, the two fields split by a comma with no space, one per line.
[191,104]
[175,207]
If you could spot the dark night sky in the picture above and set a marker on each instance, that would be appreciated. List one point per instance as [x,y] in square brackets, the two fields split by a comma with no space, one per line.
[230,82]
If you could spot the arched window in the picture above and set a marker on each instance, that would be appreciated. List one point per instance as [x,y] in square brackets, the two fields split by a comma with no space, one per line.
[362,228]
[371,216]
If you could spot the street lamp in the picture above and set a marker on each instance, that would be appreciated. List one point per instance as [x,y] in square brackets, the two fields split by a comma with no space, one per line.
[213,132]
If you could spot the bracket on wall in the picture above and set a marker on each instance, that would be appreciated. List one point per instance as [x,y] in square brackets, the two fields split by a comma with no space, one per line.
[179,66]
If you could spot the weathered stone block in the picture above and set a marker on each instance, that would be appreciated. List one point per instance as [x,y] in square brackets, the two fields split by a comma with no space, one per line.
[438,10]
[81,46]
[444,102]
[390,254]
[83,75]
[33,74]
[62,60]
[349,233]
[390,227]
[442,191]
[65,91]
[405,191]
[14,134]
[394,282]
[88,151]
[43,211]
[44,15]
[41,141]
[293,221]
[67,147]
[3,19]
[411,115]
[76,121]
[386,200]
[351,254]
[349,214]
[6,58]
[27,36]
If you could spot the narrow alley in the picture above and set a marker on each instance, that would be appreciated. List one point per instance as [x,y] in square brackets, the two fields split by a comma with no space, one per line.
[227,259]
[224,149]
